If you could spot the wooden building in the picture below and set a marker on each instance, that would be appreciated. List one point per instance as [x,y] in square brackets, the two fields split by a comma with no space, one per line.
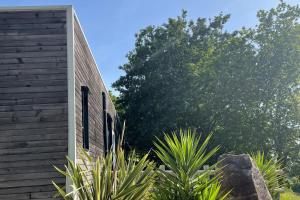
[52,99]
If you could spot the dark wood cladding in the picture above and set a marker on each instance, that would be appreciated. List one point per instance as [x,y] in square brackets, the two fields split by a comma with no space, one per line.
[33,102]
[87,74]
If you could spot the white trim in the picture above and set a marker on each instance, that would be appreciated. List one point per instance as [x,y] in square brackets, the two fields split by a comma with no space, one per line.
[29,8]
[94,60]
[71,90]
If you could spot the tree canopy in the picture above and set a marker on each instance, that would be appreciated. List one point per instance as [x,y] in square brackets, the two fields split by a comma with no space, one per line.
[243,85]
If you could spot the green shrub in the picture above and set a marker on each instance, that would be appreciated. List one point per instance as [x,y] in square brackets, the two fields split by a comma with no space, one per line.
[184,156]
[129,179]
[289,195]
[271,171]
[136,178]
[296,186]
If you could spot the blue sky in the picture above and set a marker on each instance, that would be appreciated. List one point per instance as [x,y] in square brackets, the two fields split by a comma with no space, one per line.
[110,25]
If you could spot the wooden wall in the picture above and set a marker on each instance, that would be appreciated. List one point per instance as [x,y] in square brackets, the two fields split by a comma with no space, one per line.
[86,74]
[33,102]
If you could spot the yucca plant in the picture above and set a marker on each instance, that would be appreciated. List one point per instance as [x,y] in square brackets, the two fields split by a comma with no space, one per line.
[101,179]
[184,156]
[212,192]
[271,171]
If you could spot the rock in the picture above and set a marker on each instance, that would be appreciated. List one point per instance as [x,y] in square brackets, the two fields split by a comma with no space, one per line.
[242,177]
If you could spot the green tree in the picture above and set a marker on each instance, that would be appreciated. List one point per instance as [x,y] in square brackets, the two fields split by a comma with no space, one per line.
[115,99]
[157,90]
[241,85]
[277,77]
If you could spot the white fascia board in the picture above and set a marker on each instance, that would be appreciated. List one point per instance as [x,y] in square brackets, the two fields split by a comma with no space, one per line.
[71,85]
[71,90]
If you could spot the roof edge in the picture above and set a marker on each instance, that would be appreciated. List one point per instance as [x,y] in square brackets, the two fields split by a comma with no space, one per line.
[94,60]
[33,8]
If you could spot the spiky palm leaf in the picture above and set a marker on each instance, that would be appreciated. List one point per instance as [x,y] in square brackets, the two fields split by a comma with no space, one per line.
[184,156]
[212,192]
[100,179]
[97,180]
[271,172]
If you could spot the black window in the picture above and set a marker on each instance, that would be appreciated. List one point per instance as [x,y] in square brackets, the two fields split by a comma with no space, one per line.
[85,116]
[109,132]
[105,135]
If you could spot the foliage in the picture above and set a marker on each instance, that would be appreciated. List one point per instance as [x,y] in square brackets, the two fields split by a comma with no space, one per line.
[115,101]
[296,187]
[212,192]
[101,180]
[184,156]
[295,184]
[289,195]
[271,171]
[136,178]
[241,85]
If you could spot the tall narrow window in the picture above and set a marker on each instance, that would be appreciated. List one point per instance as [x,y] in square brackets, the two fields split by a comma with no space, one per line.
[105,135]
[110,132]
[85,116]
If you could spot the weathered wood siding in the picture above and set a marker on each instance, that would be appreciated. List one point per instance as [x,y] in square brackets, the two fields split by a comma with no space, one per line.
[86,74]
[33,102]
